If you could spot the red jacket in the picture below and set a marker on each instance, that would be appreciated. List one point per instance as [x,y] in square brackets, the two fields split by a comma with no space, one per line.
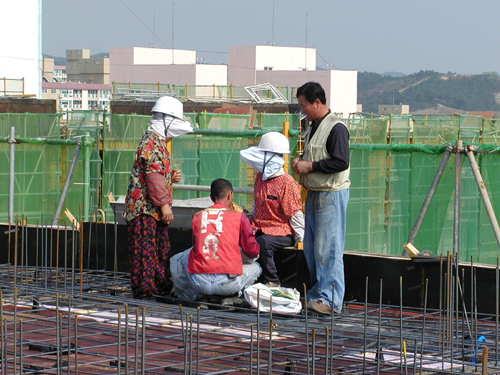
[219,232]
[276,201]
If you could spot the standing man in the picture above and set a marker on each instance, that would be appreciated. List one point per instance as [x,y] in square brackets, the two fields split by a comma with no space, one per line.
[324,171]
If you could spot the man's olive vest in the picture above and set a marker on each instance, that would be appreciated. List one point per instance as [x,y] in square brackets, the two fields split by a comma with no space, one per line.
[315,150]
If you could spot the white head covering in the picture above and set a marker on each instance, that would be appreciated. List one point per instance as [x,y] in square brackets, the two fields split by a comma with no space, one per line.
[268,163]
[168,126]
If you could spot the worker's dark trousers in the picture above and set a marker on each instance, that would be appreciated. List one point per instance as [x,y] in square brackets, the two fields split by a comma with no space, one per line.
[268,245]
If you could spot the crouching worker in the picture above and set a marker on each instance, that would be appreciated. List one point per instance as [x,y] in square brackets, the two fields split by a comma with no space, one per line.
[214,265]
[278,220]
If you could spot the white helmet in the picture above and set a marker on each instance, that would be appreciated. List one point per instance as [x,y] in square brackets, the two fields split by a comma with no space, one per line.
[170,106]
[274,142]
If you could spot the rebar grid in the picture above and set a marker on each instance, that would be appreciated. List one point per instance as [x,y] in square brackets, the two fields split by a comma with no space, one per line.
[76,320]
[105,331]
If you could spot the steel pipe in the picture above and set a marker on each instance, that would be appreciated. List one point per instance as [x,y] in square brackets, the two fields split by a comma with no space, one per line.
[207,188]
[87,144]
[12,169]
[430,193]
[64,191]
[484,194]
[457,192]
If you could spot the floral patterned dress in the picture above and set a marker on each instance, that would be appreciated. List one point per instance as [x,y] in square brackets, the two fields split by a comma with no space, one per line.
[148,241]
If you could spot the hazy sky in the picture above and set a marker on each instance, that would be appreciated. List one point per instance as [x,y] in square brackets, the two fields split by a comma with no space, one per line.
[407,36]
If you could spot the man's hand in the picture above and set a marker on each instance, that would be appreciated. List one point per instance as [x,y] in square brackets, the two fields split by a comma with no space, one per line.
[166,214]
[176,176]
[301,167]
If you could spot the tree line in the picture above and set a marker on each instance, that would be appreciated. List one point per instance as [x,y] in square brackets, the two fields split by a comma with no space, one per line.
[428,89]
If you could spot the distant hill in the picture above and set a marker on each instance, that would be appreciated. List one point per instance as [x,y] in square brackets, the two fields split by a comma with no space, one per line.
[429,89]
[100,55]
[392,74]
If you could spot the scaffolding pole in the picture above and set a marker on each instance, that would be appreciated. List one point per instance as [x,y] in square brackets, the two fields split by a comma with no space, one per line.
[12,168]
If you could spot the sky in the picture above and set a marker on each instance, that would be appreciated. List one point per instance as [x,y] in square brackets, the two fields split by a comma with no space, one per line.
[458,36]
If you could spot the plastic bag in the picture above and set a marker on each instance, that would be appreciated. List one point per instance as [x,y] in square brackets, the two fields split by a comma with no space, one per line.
[284,300]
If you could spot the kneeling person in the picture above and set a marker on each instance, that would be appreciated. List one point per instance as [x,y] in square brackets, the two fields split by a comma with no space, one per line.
[214,265]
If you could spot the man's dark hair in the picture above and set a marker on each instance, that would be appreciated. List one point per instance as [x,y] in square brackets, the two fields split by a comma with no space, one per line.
[219,188]
[312,91]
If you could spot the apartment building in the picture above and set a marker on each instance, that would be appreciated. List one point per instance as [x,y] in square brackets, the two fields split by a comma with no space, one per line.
[87,92]
[59,74]
[52,72]
[78,96]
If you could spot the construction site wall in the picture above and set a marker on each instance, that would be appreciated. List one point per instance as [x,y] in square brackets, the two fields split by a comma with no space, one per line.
[23,105]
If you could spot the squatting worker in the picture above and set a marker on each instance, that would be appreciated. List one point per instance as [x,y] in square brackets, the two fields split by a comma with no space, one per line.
[277,217]
[324,171]
[222,260]
[148,205]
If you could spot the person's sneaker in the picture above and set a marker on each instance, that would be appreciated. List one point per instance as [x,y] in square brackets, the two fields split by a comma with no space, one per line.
[320,307]
[272,284]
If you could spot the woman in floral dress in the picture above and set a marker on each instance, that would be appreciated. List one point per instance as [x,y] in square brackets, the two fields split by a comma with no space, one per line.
[148,208]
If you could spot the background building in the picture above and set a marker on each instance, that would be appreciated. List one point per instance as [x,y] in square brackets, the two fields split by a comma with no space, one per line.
[292,67]
[51,72]
[152,65]
[80,67]
[59,74]
[244,62]
[78,96]
[73,95]
[280,66]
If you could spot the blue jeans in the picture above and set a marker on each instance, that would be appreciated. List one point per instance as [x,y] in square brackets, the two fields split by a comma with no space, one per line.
[191,286]
[324,237]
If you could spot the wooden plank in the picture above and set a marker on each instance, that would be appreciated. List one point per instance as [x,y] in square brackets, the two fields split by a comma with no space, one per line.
[410,249]
[72,219]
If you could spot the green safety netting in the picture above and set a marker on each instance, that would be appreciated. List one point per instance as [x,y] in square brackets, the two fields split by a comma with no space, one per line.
[393,163]
[202,156]
[37,166]
[75,124]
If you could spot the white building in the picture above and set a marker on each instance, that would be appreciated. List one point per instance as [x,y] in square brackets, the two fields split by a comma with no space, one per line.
[21,47]
[78,96]
[152,65]
[244,62]
[292,67]
[341,86]
[280,66]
